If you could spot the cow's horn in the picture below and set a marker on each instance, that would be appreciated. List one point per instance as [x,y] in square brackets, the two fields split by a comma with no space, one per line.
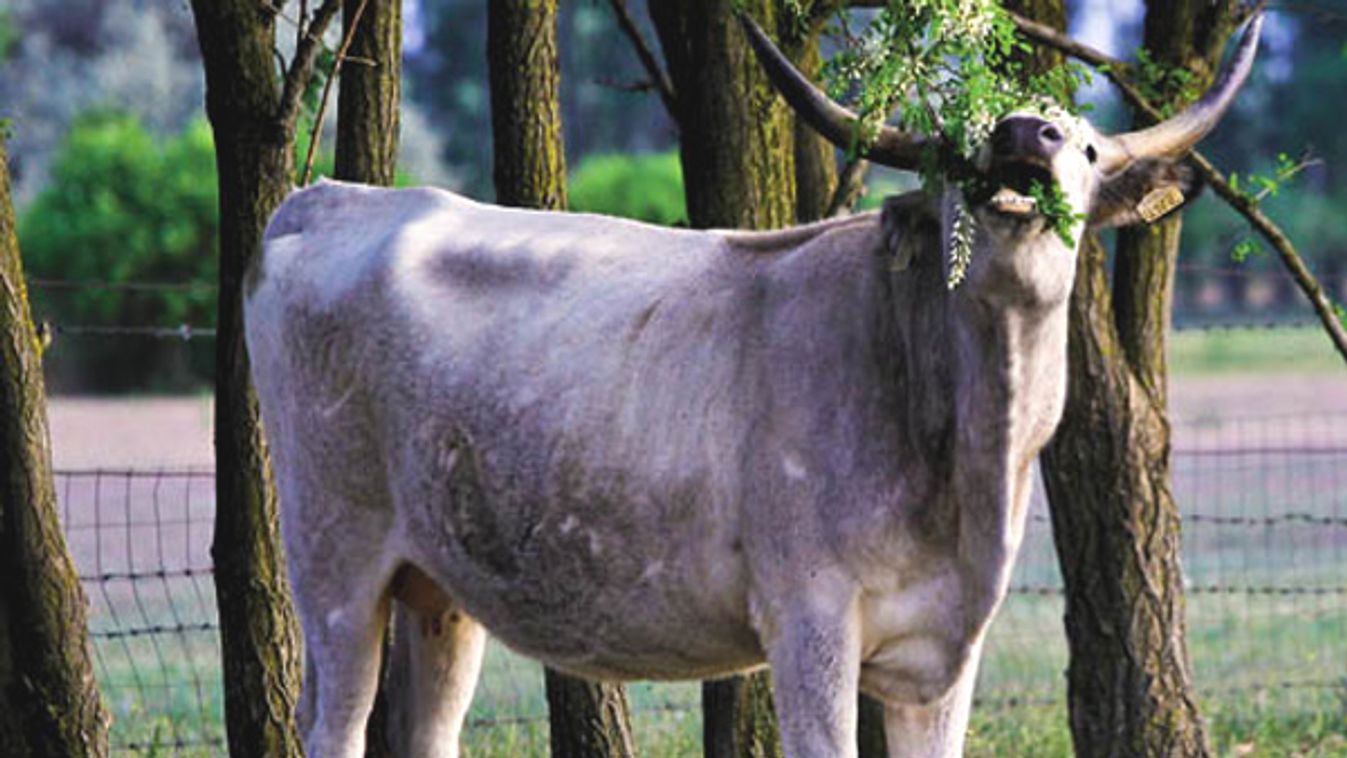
[1176,136]
[837,124]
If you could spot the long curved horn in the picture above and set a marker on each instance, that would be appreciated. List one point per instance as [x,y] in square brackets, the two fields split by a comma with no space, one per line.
[1176,136]
[837,124]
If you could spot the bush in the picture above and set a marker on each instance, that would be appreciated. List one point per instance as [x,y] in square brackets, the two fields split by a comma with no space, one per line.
[124,206]
[641,187]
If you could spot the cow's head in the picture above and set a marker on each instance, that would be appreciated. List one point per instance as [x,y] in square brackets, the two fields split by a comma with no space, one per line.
[1107,180]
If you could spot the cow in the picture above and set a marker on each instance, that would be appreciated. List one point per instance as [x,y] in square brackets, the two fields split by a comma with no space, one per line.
[639,452]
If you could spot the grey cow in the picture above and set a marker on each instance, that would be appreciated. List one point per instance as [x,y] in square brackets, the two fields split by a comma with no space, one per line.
[636,452]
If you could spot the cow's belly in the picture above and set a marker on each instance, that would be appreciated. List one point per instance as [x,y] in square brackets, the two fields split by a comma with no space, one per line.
[590,591]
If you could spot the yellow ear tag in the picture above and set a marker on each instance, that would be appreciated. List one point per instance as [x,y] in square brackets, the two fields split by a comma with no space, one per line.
[1158,202]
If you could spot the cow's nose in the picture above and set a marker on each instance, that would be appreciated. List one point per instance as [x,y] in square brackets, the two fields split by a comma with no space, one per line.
[1027,138]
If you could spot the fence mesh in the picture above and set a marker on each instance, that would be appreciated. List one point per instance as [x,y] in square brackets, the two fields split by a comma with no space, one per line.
[1265,561]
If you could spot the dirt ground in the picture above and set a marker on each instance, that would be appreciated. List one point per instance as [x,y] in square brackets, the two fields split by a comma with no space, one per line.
[176,432]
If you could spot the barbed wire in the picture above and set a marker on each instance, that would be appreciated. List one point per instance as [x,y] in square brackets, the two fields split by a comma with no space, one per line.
[157,630]
[189,332]
[184,332]
[189,472]
[1256,325]
[1009,702]
[1049,590]
[1293,517]
[39,283]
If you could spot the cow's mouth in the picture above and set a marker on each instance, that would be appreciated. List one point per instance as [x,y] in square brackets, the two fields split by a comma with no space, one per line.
[1010,187]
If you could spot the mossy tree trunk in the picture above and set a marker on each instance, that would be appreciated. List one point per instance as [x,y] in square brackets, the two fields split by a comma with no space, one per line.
[588,719]
[737,142]
[252,115]
[815,157]
[49,703]
[736,135]
[367,152]
[1107,471]
[371,90]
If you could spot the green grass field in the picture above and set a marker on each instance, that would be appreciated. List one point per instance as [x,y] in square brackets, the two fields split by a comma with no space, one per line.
[1243,650]
[1258,351]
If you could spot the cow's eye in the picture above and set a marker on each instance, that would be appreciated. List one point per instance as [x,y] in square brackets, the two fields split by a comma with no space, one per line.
[1091,154]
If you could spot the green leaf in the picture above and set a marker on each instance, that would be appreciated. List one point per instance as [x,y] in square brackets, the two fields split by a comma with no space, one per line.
[1245,249]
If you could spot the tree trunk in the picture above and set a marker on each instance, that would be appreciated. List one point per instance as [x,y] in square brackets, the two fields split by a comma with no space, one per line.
[1107,470]
[587,718]
[49,703]
[530,159]
[815,157]
[367,105]
[367,152]
[738,155]
[737,135]
[258,633]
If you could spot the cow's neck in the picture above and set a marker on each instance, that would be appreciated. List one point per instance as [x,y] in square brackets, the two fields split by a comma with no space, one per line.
[1009,374]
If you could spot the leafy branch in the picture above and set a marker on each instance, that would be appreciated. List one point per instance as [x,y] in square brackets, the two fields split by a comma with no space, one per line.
[949,70]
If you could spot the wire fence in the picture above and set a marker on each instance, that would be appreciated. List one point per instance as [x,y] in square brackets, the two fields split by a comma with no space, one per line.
[1265,561]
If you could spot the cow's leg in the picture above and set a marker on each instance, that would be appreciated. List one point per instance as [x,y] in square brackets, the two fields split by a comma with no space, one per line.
[306,712]
[815,658]
[437,655]
[936,729]
[343,646]
[340,583]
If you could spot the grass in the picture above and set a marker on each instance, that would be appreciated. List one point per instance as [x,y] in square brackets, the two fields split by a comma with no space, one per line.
[1253,351]
[1020,710]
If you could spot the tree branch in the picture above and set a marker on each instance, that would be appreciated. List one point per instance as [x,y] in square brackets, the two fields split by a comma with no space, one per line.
[658,77]
[301,66]
[1242,204]
[327,92]
[850,187]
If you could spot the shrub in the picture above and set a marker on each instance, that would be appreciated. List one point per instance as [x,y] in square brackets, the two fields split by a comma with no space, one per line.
[641,187]
[124,206]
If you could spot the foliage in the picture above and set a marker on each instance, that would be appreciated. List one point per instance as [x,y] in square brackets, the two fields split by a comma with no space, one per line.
[1169,86]
[1267,185]
[9,33]
[947,67]
[125,207]
[1057,210]
[948,70]
[642,187]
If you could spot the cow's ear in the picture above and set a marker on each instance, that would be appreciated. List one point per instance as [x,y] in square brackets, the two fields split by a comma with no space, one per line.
[1143,193]
[906,220]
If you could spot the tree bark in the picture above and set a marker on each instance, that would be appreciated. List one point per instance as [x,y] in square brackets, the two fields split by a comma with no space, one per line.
[253,120]
[371,89]
[529,163]
[49,703]
[588,719]
[1107,470]
[815,157]
[737,135]
[367,152]
[738,154]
